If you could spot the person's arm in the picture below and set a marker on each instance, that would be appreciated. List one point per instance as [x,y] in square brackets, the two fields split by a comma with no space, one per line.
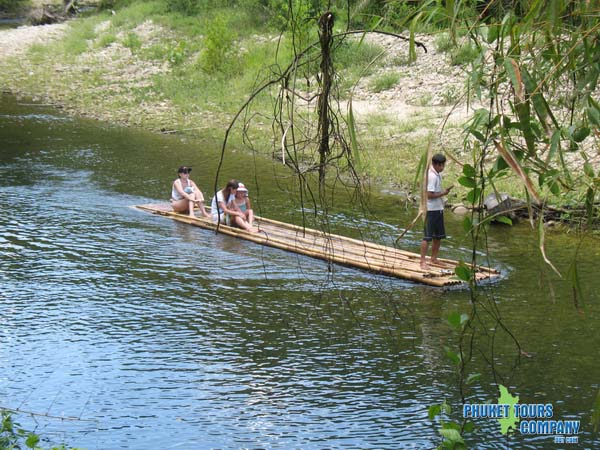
[248,205]
[231,210]
[196,188]
[432,195]
[178,188]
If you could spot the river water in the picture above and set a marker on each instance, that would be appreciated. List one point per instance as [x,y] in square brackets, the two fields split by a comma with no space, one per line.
[141,333]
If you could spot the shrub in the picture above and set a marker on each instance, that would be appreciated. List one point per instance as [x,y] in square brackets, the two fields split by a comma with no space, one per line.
[356,54]
[106,39]
[384,82]
[176,53]
[132,41]
[443,42]
[10,6]
[463,55]
[218,43]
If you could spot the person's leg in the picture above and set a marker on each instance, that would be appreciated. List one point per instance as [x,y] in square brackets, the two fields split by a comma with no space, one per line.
[241,223]
[425,241]
[199,200]
[435,248]
[181,206]
[438,233]
[250,217]
[424,248]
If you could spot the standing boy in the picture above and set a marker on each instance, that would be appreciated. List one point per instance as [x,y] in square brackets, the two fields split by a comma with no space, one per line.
[434,221]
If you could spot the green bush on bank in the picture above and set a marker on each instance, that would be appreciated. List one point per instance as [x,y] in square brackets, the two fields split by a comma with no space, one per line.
[216,55]
[12,6]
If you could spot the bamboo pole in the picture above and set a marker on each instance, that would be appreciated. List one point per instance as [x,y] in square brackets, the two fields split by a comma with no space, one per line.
[322,247]
[386,255]
[371,245]
[254,237]
[327,245]
[286,245]
[378,248]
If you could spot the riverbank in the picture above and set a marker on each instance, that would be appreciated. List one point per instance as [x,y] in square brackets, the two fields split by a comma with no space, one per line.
[125,69]
[398,107]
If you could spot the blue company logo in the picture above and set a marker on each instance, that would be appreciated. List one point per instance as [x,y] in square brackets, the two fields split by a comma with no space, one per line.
[529,419]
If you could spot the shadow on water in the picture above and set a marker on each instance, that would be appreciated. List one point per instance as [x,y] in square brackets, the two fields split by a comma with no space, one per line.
[160,334]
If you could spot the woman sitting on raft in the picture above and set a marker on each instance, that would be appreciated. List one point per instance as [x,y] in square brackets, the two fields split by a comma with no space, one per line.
[185,194]
[242,202]
[227,212]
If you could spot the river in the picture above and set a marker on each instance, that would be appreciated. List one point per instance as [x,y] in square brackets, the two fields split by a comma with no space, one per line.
[142,333]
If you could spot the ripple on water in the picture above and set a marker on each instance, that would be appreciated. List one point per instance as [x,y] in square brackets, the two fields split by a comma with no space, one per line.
[165,335]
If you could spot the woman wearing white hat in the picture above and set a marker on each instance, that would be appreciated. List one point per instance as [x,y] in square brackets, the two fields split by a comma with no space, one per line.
[242,202]
[225,210]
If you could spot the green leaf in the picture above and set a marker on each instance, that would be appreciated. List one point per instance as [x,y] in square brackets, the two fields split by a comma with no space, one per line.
[467,182]
[421,167]
[473,196]
[512,70]
[452,435]
[412,51]
[480,118]
[451,426]
[463,272]
[480,137]
[534,10]
[469,171]
[554,187]
[540,104]
[589,203]
[464,318]
[454,319]
[472,378]
[594,115]
[588,169]
[554,10]
[467,224]
[524,113]
[492,34]
[454,357]
[504,219]
[469,427]
[573,277]
[554,145]
[580,134]
[434,410]
[446,408]
[352,131]
[32,440]
[500,164]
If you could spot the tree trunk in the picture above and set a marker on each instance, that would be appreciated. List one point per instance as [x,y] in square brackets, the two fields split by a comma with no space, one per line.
[325,38]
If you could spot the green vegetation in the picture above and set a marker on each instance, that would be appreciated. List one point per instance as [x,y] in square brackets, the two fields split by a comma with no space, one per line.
[11,6]
[463,54]
[188,65]
[12,436]
[531,72]
[385,82]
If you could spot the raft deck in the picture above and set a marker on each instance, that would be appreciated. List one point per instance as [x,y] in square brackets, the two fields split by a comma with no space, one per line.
[342,250]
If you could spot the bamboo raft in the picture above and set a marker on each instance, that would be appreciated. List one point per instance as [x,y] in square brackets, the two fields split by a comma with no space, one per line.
[334,248]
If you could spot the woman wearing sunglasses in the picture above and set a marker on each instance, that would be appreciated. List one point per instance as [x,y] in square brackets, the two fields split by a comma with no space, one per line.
[185,194]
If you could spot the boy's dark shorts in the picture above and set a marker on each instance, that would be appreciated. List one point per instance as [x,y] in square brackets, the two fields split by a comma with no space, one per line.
[434,226]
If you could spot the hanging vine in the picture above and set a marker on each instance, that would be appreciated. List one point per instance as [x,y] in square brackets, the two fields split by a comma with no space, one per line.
[310,128]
